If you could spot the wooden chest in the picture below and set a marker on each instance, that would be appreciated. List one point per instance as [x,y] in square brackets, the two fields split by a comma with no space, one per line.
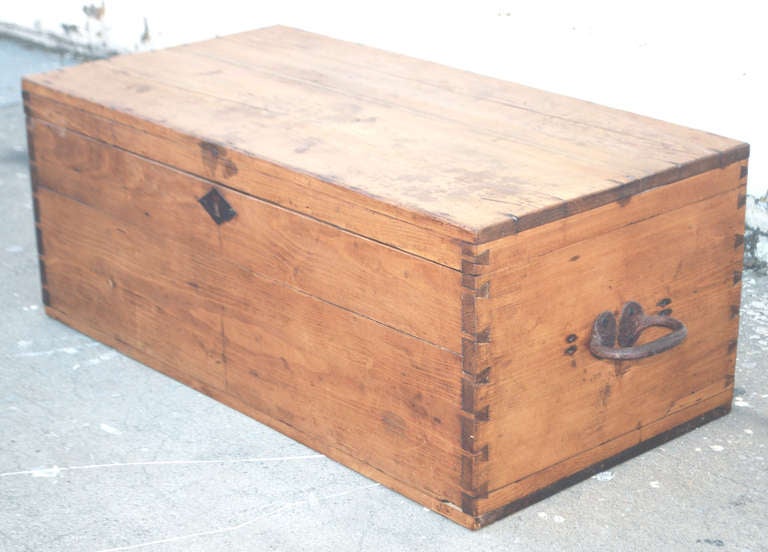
[433,277]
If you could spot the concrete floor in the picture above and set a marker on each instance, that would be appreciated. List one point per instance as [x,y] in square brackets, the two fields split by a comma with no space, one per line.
[98,452]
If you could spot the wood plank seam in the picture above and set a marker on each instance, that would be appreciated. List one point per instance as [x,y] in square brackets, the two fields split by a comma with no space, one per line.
[386,103]
[476,377]
[642,446]
[315,182]
[248,39]
[637,430]
[499,268]
[210,147]
[282,283]
[622,190]
[738,246]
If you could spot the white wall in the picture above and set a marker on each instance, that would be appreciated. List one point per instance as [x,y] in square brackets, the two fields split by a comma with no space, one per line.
[700,64]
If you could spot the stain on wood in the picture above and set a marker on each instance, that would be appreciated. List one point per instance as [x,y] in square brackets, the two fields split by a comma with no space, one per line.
[215,159]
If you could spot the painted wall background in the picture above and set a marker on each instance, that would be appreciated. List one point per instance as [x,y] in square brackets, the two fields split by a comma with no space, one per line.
[700,64]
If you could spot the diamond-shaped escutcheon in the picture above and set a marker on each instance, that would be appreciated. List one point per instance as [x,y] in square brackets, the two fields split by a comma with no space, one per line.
[216,206]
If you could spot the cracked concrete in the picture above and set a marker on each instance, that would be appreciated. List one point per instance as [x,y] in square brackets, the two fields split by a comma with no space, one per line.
[98,452]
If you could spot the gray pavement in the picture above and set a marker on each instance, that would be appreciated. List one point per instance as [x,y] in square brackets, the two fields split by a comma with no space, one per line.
[98,452]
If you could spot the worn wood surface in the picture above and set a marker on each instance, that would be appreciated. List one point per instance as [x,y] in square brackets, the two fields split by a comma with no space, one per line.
[365,389]
[574,469]
[291,189]
[467,157]
[394,288]
[547,399]
[416,262]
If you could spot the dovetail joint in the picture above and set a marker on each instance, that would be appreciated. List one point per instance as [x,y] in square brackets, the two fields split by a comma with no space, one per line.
[473,264]
[469,501]
[476,376]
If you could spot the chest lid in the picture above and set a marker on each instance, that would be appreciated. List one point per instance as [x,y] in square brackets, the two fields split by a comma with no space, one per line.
[403,151]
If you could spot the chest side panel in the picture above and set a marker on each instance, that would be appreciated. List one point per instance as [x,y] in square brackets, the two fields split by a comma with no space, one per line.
[245,311]
[554,408]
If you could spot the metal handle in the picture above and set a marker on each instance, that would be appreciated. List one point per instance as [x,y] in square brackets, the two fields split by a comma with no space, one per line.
[632,323]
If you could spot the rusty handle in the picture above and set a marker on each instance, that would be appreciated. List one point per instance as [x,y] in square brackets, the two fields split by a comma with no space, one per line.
[632,323]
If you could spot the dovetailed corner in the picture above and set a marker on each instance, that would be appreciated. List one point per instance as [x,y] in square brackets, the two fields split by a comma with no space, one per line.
[468,396]
[468,504]
[471,268]
[744,171]
[483,258]
[741,201]
[483,377]
[475,412]
[738,240]
[468,281]
[468,315]
[469,501]
[484,291]
[472,283]
[474,265]
[467,249]
[468,434]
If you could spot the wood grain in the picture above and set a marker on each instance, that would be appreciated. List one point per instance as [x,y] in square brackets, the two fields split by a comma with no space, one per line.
[416,260]
[548,383]
[596,457]
[369,390]
[332,450]
[486,179]
[293,189]
[387,285]
[448,83]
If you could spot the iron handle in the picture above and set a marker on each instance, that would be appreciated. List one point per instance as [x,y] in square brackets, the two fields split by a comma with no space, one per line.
[606,333]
